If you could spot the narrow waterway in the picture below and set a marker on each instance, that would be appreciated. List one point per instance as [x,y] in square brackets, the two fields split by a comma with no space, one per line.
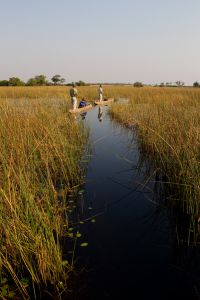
[132,249]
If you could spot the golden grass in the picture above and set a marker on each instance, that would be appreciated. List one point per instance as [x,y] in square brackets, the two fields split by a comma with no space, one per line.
[40,146]
[168,122]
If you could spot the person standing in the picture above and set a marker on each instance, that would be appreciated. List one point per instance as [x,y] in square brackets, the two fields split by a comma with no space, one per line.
[100,90]
[73,93]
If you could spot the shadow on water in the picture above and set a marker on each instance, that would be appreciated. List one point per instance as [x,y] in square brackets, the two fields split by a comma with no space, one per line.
[131,233]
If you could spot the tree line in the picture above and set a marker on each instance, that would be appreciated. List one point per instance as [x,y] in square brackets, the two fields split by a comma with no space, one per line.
[178,83]
[41,80]
[38,80]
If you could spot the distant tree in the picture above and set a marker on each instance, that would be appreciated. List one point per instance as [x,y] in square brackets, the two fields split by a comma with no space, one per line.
[31,82]
[56,79]
[4,82]
[168,83]
[179,83]
[15,81]
[80,83]
[41,79]
[62,80]
[162,84]
[138,84]
[196,84]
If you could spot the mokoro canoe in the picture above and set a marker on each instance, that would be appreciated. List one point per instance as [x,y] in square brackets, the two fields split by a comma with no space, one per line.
[104,102]
[79,110]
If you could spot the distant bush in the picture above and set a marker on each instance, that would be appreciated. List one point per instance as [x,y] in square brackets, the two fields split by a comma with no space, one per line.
[80,83]
[196,84]
[15,81]
[138,84]
[4,82]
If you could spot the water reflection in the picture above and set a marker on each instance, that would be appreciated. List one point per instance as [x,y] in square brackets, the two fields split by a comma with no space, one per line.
[83,115]
[100,113]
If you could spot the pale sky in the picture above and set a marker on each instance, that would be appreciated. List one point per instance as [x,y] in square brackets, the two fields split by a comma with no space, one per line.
[151,41]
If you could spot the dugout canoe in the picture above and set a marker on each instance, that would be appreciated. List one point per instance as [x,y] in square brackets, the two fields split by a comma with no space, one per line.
[81,109]
[104,102]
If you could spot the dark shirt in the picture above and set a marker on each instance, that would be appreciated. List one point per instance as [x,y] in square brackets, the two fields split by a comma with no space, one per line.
[82,104]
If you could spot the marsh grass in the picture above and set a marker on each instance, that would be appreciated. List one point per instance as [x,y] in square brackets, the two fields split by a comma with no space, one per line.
[40,146]
[168,123]
[62,92]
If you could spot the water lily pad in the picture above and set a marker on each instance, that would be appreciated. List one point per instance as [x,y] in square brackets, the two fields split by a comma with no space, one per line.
[65,262]
[78,234]
[93,221]
[81,192]
[89,207]
[81,222]
[84,244]
[70,229]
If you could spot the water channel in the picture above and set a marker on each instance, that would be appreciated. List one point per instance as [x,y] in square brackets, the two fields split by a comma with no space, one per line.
[132,250]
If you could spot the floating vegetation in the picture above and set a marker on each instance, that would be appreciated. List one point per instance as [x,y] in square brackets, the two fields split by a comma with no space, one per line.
[81,192]
[78,234]
[84,244]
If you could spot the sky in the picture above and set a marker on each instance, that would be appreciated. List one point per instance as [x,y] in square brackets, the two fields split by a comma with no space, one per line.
[151,41]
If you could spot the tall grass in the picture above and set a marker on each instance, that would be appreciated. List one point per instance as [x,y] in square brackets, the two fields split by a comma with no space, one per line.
[40,146]
[62,92]
[168,122]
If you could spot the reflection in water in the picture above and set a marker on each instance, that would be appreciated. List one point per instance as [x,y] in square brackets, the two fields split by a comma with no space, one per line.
[100,113]
[83,115]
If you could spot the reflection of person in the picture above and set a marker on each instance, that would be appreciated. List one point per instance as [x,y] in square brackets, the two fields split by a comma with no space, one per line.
[82,103]
[100,91]
[73,93]
[100,113]
[83,115]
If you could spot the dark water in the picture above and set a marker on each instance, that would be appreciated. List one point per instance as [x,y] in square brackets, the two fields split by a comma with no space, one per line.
[132,250]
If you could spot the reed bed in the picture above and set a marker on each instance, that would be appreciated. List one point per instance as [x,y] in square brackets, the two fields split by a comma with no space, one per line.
[39,159]
[62,92]
[40,148]
[168,123]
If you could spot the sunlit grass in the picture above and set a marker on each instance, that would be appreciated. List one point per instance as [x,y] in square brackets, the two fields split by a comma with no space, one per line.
[168,122]
[40,148]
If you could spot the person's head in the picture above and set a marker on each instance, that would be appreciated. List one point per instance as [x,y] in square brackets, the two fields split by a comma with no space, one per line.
[100,85]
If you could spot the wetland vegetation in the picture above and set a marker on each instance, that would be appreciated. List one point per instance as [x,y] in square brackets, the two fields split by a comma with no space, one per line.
[168,127]
[41,146]
[40,153]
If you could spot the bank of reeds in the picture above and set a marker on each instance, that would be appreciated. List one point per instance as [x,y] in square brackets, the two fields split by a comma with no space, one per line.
[40,146]
[62,92]
[168,126]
